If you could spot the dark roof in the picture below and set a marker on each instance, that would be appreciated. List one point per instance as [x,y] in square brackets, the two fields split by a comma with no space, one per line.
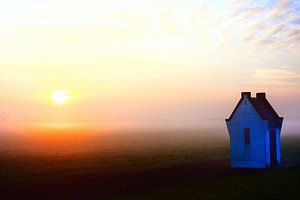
[264,108]
[261,105]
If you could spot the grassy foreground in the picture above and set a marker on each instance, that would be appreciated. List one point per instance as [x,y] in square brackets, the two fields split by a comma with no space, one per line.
[280,183]
[146,167]
[272,184]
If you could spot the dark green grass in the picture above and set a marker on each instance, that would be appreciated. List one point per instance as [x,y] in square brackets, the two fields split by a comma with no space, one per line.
[279,183]
[271,184]
[135,158]
[128,153]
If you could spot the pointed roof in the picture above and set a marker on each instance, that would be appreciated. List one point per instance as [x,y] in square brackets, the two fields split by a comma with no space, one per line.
[264,108]
[261,105]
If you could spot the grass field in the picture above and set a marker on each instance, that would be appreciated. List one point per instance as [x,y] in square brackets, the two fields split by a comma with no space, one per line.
[158,165]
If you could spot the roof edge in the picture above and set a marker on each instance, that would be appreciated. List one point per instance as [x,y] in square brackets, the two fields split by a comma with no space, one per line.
[248,96]
[234,110]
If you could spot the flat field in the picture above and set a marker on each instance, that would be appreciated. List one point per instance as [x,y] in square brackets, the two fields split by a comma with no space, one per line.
[139,165]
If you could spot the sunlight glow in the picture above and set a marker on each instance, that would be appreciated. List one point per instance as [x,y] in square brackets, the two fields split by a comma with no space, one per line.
[60,97]
[145,64]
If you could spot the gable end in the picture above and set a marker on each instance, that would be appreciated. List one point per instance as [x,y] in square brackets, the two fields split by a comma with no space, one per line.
[248,96]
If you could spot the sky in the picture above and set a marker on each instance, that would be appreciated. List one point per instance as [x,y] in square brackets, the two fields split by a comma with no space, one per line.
[146,63]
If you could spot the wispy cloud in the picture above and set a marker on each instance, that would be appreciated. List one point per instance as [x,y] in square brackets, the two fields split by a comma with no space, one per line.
[161,25]
[275,77]
[260,25]
[275,29]
[281,9]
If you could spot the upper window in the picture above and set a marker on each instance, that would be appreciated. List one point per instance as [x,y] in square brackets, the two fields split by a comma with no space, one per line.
[247,135]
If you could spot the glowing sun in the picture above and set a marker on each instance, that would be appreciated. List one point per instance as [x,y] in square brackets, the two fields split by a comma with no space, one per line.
[60,96]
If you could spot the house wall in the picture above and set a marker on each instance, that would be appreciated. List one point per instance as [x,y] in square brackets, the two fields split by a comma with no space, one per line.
[254,154]
[278,146]
[278,150]
[268,156]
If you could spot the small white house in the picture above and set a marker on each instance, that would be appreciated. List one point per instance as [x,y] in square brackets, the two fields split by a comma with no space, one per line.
[254,128]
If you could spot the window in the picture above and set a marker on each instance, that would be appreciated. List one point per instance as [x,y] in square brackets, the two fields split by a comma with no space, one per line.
[247,135]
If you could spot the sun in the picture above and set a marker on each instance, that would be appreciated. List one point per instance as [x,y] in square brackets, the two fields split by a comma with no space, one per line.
[60,97]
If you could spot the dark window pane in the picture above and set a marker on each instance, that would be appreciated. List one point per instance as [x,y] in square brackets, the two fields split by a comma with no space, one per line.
[247,135]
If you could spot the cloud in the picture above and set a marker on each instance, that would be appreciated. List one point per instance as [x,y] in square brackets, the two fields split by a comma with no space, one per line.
[296,21]
[252,32]
[184,25]
[260,25]
[275,29]
[246,13]
[281,9]
[294,33]
[275,77]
